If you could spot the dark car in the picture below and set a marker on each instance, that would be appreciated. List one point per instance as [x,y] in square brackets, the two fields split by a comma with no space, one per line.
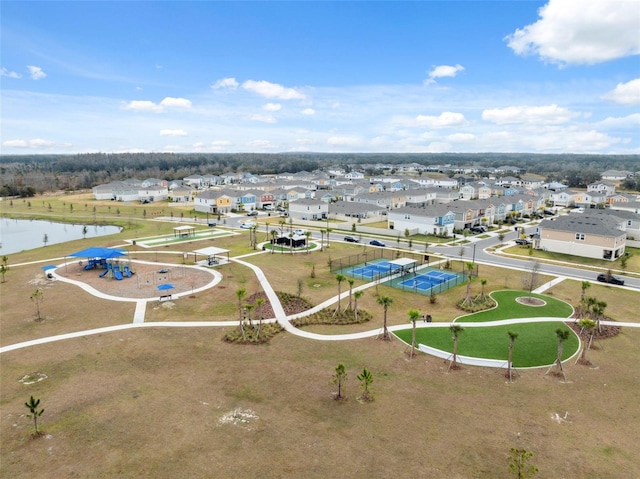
[376,243]
[252,213]
[351,239]
[478,229]
[609,278]
[523,241]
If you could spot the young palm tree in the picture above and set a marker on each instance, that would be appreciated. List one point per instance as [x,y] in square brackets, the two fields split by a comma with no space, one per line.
[483,282]
[240,294]
[338,378]
[414,315]
[512,339]
[308,235]
[455,329]
[32,406]
[329,230]
[588,325]
[598,311]
[339,278]
[259,303]
[274,236]
[249,308]
[366,378]
[562,335]
[385,302]
[351,282]
[356,295]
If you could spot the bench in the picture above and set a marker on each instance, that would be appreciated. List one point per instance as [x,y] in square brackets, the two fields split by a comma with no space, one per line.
[165,297]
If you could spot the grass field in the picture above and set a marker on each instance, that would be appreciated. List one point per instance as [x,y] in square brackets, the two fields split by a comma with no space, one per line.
[167,403]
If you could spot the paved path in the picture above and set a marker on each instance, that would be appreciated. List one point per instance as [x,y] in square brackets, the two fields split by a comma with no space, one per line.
[280,315]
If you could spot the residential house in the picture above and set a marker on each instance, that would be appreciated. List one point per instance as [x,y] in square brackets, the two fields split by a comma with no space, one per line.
[588,235]
[309,209]
[181,194]
[348,210]
[428,220]
[602,188]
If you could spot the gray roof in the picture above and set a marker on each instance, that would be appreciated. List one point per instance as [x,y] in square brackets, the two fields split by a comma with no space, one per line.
[588,223]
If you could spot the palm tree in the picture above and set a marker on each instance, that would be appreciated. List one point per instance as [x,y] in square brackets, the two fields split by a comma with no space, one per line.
[414,315]
[598,311]
[259,303]
[356,295]
[562,335]
[366,378]
[512,339]
[249,308]
[291,243]
[339,278]
[32,406]
[483,282]
[329,230]
[385,302]
[351,282]
[308,235]
[589,325]
[240,294]
[321,240]
[455,329]
[585,286]
[338,378]
[274,236]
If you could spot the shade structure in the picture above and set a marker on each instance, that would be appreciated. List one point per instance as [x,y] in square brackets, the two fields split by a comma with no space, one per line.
[48,267]
[165,286]
[98,252]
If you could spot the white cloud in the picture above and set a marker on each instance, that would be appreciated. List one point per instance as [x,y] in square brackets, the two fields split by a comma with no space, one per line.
[446,119]
[628,122]
[442,71]
[272,90]
[344,141]
[225,83]
[626,93]
[176,102]
[272,107]
[167,132]
[261,144]
[308,111]
[580,32]
[6,73]
[36,72]
[461,138]
[143,105]
[263,118]
[548,114]
[36,143]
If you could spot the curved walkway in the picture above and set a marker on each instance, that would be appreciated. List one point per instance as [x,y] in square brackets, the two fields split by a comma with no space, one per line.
[280,315]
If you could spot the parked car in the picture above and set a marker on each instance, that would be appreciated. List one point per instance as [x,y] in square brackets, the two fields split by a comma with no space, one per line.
[247,225]
[549,212]
[376,243]
[523,241]
[299,232]
[478,229]
[268,208]
[281,208]
[351,239]
[609,278]
[252,213]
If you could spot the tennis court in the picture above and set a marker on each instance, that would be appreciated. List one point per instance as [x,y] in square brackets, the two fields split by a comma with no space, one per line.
[427,280]
[373,270]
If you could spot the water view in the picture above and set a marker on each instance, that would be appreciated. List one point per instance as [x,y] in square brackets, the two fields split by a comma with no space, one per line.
[20,235]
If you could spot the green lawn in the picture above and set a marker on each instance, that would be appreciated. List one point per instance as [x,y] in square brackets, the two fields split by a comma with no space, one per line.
[536,344]
[509,308]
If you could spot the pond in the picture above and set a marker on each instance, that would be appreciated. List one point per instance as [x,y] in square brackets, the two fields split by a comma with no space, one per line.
[20,235]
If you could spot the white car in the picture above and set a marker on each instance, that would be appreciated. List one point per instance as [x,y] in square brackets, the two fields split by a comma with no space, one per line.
[247,225]
[299,232]
[268,208]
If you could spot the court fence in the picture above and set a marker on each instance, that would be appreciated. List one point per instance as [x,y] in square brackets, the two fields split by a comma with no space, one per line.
[372,254]
[405,283]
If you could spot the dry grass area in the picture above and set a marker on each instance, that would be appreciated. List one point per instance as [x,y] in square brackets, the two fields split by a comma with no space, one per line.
[161,403]
[166,403]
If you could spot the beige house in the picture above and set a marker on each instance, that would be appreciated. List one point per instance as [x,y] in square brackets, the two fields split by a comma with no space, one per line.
[587,235]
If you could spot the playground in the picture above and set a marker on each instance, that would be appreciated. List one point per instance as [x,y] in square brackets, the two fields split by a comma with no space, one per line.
[144,280]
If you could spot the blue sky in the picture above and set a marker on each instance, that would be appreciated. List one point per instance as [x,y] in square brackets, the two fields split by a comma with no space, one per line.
[556,76]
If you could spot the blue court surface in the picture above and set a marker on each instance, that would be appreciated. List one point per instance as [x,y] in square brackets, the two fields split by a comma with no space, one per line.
[373,269]
[428,280]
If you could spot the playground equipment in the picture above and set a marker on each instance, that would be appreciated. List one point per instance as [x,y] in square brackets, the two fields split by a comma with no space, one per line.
[117,274]
[127,271]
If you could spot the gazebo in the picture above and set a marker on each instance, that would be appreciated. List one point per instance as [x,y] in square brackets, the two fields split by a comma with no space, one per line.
[184,231]
[215,256]
[405,264]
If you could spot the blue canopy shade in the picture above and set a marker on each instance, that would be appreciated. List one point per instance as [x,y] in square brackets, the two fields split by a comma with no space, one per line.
[98,252]
[165,286]
[48,267]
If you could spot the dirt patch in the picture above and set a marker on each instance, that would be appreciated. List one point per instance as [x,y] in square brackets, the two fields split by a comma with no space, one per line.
[530,301]
[144,282]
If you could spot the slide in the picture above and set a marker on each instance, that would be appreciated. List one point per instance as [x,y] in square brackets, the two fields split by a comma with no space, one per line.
[89,266]
[117,274]
[103,274]
[127,271]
